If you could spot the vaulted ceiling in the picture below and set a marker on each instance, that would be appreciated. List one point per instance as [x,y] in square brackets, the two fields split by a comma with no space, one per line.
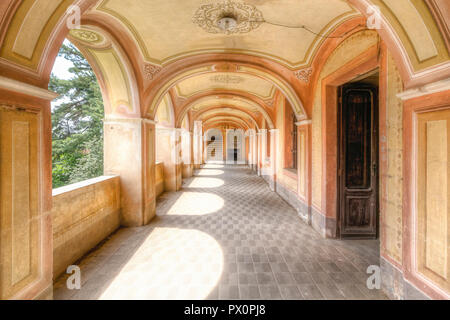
[179,54]
[167,30]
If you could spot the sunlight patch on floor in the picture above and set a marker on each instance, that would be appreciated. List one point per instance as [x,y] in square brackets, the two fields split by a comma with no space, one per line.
[196,204]
[206,183]
[213,166]
[209,172]
[168,258]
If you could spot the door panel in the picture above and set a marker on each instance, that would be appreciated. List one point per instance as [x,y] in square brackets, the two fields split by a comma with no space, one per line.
[358,162]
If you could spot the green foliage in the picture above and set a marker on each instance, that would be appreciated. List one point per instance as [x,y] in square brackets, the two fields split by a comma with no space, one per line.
[77,120]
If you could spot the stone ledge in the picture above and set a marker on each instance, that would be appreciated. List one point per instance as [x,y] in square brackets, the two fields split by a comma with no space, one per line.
[82,184]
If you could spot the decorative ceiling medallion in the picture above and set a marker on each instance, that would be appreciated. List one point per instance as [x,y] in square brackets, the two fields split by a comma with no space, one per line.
[151,70]
[228,17]
[304,74]
[85,35]
[227,79]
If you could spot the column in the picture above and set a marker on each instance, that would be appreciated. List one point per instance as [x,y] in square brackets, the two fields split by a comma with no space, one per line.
[304,168]
[197,144]
[224,145]
[186,145]
[273,158]
[169,150]
[254,148]
[130,153]
[259,162]
[205,149]
[264,163]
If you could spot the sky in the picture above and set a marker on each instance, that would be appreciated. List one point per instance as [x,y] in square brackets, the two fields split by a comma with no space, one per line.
[61,70]
[62,66]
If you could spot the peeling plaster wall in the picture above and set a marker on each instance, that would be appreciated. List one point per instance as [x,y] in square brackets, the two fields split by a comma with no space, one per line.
[391,190]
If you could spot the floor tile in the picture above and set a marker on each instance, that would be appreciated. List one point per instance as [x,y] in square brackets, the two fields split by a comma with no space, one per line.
[247,243]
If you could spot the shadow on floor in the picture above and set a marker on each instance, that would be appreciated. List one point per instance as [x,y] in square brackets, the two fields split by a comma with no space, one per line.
[230,240]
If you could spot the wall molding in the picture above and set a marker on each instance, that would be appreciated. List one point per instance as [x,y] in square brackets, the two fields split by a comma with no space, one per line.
[431,88]
[28,89]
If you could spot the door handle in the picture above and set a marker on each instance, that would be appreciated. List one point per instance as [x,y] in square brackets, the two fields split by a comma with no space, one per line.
[374,169]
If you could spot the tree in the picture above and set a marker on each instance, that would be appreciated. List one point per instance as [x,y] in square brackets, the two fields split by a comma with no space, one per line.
[77,122]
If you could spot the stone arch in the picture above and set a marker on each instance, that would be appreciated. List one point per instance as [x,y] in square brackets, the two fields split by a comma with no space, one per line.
[404,45]
[254,101]
[233,118]
[155,93]
[52,30]
[217,123]
[220,111]
[112,68]
[165,115]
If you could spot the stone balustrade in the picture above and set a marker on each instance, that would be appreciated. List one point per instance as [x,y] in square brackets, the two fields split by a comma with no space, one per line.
[83,215]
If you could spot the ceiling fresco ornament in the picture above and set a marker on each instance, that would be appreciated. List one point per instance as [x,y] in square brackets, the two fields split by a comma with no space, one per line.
[228,17]
[226,79]
[151,71]
[304,74]
[270,102]
[225,67]
[86,36]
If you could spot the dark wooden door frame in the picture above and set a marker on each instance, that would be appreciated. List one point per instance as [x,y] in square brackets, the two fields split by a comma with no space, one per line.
[374,167]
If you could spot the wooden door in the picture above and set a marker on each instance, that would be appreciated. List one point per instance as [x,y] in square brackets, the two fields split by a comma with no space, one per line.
[358,162]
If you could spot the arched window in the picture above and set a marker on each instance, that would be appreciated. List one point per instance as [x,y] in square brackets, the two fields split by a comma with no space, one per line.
[77,119]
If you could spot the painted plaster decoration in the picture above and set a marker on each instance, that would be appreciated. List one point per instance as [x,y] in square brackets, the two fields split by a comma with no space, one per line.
[225,97]
[304,74]
[227,79]
[85,36]
[225,67]
[228,17]
[151,71]
[270,102]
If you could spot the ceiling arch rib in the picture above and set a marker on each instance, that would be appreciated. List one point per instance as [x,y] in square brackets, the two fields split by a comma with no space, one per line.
[224,99]
[165,115]
[224,124]
[49,28]
[112,68]
[187,36]
[216,124]
[219,113]
[226,81]
[225,110]
[226,118]
[160,89]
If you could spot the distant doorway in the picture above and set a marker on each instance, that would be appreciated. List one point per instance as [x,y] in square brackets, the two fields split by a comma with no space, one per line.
[358,161]
[235,146]
[235,149]
[214,146]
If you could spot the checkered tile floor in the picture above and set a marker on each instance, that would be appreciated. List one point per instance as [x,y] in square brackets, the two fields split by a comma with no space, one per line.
[225,236]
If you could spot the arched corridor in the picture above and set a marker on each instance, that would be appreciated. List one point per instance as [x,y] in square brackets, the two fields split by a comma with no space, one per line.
[330,122]
[225,235]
